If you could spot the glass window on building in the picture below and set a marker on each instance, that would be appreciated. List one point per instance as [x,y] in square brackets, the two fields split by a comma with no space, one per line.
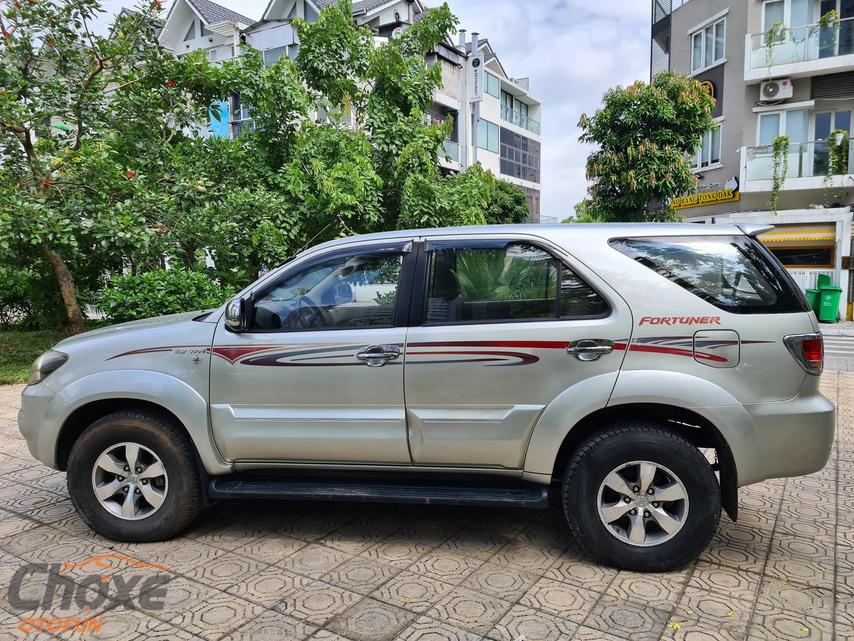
[709,152]
[272,55]
[708,46]
[204,30]
[191,32]
[507,100]
[520,156]
[493,85]
[488,136]
[805,256]
[773,14]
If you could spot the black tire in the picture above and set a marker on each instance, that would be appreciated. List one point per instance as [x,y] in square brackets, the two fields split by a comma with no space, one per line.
[183,500]
[622,444]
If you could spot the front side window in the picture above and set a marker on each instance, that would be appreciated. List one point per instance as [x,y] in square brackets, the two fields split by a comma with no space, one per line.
[734,273]
[344,292]
[708,46]
[498,282]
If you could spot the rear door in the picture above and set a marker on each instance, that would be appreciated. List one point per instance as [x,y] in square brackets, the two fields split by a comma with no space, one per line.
[499,327]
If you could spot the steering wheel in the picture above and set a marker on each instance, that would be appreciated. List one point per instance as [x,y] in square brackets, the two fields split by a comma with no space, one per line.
[307,315]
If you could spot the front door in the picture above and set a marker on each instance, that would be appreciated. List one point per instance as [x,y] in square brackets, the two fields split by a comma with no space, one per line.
[500,327]
[319,375]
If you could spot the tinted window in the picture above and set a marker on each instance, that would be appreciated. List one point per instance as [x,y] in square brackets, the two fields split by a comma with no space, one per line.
[735,273]
[342,292]
[805,256]
[508,283]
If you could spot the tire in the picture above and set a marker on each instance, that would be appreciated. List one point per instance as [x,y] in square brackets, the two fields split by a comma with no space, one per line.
[177,493]
[680,469]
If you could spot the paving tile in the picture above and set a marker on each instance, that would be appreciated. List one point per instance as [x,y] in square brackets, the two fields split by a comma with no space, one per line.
[721,610]
[794,597]
[269,586]
[270,549]
[469,610]
[503,581]
[313,560]
[427,629]
[656,590]
[216,615]
[318,602]
[270,625]
[561,599]
[371,620]
[623,618]
[398,553]
[577,569]
[360,575]
[226,570]
[414,592]
[447,566]
[781,625]
[723,580]
[524,623]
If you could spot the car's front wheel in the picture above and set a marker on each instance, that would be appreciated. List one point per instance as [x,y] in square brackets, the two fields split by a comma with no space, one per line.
[132,477]
[641,497]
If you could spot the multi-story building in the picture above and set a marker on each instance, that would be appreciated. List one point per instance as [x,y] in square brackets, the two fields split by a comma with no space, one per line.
[496,118]
[775,68]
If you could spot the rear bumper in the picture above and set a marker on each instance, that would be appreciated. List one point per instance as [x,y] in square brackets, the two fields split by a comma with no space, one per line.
[794,437]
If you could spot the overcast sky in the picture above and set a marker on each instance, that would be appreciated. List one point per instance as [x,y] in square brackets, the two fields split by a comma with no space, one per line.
[573,50]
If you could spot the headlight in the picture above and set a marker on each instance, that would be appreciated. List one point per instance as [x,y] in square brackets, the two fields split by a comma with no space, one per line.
[45,365]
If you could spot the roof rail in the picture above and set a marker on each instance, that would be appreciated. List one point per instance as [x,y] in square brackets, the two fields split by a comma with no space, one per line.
[755,230]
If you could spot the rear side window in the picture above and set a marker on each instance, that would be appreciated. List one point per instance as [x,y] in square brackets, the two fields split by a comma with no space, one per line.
[504,283]
[734,273]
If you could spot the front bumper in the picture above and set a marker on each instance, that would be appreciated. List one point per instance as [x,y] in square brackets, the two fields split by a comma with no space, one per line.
[795,437]
[39,423]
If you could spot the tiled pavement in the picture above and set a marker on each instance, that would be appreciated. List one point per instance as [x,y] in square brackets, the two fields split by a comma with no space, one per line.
[282,571]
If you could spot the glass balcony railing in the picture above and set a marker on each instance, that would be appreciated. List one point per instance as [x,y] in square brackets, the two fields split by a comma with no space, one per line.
[788,45]
[804,160]
[520,120]
[450,149]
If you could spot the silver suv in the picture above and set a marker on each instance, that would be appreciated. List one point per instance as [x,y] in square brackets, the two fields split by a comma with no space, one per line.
[640,374]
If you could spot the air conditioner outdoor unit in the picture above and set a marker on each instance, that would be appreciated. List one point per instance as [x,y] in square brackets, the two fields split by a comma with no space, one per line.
[774,90]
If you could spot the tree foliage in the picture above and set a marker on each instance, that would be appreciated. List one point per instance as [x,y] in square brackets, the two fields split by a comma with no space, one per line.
[644,135]
[105,171]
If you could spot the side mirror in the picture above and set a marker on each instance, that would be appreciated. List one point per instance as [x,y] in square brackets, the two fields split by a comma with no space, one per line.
[236,317]
[343,293]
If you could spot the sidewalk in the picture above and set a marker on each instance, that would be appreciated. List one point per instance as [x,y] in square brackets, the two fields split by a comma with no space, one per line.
[845,328]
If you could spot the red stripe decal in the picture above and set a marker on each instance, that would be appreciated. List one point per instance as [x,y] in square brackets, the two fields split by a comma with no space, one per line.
[525,358]
[231,354]
[523,344]
[676,351]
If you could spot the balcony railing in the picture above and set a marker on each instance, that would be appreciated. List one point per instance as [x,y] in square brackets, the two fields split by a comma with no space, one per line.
[519,119]
[805,160]
[786,45]
[450,149]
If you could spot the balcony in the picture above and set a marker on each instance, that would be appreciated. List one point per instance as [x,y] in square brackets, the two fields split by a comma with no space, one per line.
[808,166]
[800,51]
[519,119]
[450,149]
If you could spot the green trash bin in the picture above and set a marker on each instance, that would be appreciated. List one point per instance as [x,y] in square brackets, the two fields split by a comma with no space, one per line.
[822,281]
[828,310]
[813,298]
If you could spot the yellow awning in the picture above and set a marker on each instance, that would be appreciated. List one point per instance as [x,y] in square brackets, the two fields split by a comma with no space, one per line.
[800,233]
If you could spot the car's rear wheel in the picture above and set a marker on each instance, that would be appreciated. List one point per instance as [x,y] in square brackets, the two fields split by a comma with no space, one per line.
[641,497]
[133,477]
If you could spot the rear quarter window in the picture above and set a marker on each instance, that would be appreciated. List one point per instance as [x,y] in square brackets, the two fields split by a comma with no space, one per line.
[734,273]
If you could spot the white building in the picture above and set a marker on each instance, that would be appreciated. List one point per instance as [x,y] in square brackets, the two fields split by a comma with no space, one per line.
[775,68]
[497,125]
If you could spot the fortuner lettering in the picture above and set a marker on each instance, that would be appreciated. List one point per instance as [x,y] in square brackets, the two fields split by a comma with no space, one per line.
[680,320]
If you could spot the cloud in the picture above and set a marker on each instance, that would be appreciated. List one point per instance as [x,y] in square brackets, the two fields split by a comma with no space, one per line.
[572,50]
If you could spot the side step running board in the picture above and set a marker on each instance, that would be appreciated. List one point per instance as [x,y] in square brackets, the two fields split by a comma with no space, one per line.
[533,496]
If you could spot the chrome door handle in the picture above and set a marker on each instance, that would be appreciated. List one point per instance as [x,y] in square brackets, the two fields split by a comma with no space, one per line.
[590,349]
[378,355]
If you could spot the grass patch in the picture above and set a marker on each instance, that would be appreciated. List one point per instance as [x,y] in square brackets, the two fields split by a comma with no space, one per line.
[18,350]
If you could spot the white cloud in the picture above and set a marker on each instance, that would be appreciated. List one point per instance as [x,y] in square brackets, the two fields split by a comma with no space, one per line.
[572,50]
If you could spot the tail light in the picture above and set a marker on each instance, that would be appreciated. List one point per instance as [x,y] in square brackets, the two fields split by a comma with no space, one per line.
[808,350]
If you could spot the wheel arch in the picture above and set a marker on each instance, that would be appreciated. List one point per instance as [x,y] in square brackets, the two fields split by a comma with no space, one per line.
[695,428]
[92,397]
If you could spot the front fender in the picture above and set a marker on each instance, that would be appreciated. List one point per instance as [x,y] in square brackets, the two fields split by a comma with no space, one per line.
[171,393]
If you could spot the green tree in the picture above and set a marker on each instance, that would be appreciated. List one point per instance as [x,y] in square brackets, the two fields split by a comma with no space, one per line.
[508,205]
[77,112]
[644,135]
